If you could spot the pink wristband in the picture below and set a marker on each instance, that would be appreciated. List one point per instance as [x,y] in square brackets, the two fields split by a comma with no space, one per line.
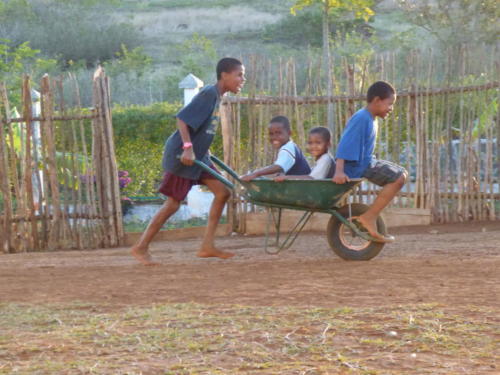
[187,145]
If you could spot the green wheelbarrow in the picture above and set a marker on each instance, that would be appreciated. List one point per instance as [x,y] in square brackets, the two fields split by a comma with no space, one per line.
[347,238]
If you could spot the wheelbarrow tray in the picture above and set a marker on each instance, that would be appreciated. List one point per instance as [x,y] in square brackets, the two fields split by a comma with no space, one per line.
[314,195]
[304,195]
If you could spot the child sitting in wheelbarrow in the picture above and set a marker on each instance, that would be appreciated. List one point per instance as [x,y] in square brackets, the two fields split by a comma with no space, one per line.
[290,160]
[355,157]
[318,144]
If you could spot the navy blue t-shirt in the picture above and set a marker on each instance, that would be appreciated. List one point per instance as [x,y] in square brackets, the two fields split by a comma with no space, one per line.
[357,143]
[202,117]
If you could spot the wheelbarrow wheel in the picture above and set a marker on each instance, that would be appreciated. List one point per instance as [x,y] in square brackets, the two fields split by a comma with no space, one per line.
[345,243]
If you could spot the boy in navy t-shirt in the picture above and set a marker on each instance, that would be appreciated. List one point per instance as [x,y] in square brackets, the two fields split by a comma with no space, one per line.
[197,124]
[355,157]
[290,159]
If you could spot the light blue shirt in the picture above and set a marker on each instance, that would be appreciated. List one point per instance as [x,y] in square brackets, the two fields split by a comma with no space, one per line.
[357,143]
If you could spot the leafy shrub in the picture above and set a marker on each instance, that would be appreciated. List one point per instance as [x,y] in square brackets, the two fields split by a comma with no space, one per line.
[152,123]
[142,160]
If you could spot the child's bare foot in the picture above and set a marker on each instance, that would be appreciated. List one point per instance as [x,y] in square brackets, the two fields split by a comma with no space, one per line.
[212,252]
[371,227]
[143,256]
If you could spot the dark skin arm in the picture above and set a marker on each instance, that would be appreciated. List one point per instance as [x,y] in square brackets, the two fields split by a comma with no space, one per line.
[187,157]
[340,177]
[272,169]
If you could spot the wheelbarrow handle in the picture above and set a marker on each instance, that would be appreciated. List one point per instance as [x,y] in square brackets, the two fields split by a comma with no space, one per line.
[225,167]
[214,173]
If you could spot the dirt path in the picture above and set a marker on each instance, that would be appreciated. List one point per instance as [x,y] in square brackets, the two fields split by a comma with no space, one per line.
[450,265]
[428,304]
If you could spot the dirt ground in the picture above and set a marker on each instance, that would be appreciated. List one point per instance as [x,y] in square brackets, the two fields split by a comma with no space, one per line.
[451,266]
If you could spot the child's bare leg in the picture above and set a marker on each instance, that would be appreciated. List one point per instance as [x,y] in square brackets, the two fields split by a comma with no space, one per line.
[385,196]
[140,249]
[221,195]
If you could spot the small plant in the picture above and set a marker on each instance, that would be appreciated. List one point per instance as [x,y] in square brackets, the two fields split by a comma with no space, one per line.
[124,180]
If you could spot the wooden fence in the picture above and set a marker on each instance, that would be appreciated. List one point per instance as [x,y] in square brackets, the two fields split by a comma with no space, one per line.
[447,137]
[58,175]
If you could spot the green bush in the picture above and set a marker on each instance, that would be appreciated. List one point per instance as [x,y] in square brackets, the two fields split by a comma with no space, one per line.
[152,123]
[142,159]
[140,134]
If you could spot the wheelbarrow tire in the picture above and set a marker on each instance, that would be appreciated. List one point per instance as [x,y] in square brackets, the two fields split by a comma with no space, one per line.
[343,250]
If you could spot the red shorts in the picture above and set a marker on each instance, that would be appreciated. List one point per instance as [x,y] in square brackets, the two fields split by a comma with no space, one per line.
[178,187]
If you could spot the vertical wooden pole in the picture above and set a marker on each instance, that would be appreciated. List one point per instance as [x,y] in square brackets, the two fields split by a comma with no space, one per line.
[101,174]
[17,239]
[109,189]
[5,186]
[55,228]
[29,167]
[110,144]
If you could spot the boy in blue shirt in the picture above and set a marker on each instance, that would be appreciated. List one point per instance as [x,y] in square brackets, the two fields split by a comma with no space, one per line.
[290,159]
[355,157]
[197,124]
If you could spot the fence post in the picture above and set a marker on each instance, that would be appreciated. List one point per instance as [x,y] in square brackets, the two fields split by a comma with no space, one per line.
[103,150]
[6,216]
[29,165]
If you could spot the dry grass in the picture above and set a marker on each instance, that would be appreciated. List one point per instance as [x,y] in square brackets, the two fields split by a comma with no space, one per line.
[165,22]
[201,339]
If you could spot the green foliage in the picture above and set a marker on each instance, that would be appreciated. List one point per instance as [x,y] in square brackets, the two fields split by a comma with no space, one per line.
[196,55]
[455,21]
[11,10]
[18,60]
[15,60]
[135,61]
[305,28]
[360,8]
[68,30]
[152,123]
[354,47]
[142,159]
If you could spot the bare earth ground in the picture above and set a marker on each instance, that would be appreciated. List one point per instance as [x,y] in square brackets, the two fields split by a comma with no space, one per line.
[428,304]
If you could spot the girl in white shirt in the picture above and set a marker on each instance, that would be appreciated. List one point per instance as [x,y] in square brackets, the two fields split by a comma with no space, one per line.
[318,144]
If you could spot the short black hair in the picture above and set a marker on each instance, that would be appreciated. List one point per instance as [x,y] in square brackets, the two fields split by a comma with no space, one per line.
[283,120]
[381,89]
[322,132]
[227,65]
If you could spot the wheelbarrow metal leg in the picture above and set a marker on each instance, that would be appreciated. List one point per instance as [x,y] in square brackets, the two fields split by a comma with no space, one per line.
[292,235]
[277,225]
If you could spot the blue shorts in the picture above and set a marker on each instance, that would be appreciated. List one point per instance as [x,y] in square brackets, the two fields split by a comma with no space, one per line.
[383,172]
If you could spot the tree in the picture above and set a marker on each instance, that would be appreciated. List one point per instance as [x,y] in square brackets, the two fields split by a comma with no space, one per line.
[357,8]
[20,59]
[455,22]
[135,61]
[305,28]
